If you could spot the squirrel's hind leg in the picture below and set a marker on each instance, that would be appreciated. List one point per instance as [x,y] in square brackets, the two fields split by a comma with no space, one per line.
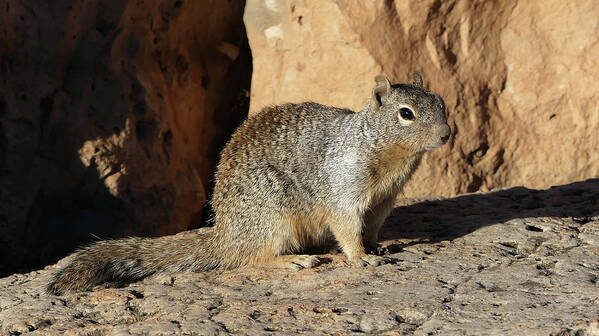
[283,239]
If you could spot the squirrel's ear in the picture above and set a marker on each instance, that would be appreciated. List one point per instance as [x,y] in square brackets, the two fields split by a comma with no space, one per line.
[417,78]
[381,88]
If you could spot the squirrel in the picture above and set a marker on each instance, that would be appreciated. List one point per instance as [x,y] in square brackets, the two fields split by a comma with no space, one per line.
[291,176]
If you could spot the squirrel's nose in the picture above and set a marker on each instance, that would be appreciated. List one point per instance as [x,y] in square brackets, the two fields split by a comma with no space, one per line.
[446,134]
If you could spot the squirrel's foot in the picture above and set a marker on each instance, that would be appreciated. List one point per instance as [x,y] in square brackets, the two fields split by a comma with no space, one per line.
[294,261]
[369,259]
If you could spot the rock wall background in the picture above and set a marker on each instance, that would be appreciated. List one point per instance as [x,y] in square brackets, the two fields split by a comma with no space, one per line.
[520,79]
[112,114]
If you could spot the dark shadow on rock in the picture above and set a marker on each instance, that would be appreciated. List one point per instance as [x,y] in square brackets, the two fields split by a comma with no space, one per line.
[58,93]
[446,219]
[71,95]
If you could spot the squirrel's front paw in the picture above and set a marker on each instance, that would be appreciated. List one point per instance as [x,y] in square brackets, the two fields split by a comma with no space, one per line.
[369,259]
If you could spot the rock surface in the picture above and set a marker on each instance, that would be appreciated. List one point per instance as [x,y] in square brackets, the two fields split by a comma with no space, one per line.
[519,78]
[112,114]
[508,262]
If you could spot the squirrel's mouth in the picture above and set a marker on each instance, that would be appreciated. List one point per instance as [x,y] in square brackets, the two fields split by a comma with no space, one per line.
[440,143]
[429,148]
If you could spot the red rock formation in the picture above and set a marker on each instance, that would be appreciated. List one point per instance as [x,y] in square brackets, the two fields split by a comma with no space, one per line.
[519,79]
[112,116]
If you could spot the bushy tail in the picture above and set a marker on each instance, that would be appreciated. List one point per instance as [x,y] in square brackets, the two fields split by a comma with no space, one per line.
[128,260]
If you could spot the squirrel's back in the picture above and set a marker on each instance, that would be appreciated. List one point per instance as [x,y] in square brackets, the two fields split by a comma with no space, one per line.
[293,139]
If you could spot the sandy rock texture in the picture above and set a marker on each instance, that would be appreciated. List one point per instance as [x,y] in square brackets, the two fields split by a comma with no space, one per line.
[508,262]
[112,114]
[519,78]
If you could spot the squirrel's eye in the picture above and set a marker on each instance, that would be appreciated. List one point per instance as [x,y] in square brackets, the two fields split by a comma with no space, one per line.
[406,113]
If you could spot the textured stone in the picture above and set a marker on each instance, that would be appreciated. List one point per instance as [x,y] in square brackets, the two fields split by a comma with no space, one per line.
[112,114]
[507,262]
[518,78]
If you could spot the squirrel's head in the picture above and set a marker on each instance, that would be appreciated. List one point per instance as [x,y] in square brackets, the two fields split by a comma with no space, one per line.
[410,113]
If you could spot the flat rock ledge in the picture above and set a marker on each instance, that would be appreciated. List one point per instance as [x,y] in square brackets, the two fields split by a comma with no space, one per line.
[508,262]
